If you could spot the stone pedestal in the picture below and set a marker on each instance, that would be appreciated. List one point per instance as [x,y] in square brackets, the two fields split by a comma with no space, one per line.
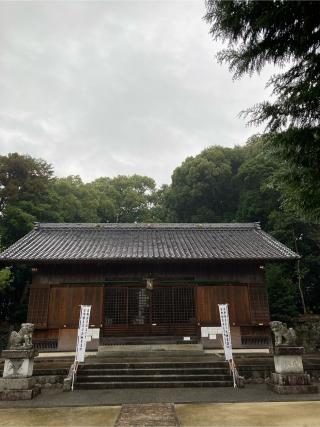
[289,377]
[17,382]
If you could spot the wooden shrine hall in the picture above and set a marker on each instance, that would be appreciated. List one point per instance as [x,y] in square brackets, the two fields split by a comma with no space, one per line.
[147,281]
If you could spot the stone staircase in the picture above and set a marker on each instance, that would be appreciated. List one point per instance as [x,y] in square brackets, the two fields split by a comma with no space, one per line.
[153,374]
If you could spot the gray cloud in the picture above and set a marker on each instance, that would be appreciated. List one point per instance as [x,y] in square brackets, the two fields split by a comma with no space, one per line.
[123,87]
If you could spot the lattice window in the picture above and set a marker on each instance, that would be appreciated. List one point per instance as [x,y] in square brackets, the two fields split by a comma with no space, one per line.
[162,305]
[116,306]
[173,305]
[138,306]
[183,305]
[38,307]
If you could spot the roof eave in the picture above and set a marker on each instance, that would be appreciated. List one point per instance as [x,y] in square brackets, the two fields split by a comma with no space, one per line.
[10,261]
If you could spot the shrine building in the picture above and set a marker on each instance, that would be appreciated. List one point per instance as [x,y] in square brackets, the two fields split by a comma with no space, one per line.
[147,282]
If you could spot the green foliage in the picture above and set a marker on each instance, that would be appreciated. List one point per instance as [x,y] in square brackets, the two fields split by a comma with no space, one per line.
[13,294]
[125,198]
[74,200]
[282,33]
[275,32]
[298,177]
[256,198]
[5,279]
[281,293]
[304,238]
[202,187]
[24,194]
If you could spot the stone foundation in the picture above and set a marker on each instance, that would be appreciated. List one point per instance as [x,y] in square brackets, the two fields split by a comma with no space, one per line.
[17,382]
[289,389]
[289,377]
[18,388]
[20,394]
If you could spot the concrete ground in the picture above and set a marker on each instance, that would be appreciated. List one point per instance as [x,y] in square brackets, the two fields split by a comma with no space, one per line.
[253,414]
[262,414]
[251,393]
[93,416]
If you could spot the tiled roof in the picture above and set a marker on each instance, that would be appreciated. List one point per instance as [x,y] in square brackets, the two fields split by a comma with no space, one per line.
[75,242]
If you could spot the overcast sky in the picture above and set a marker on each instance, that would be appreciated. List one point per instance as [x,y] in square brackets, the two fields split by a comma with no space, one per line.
[123,87]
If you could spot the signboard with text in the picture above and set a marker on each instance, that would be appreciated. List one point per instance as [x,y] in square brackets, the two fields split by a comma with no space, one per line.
[225,326]
[82,332]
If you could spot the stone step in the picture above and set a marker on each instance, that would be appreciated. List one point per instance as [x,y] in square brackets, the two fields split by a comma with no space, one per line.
[153,365]
[151,384]
[153,349]
[155,339]
[155,358]
[153,378]
[190,372]
[154,371]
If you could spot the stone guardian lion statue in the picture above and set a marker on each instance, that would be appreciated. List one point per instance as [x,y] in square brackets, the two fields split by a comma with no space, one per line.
[21,340]
[283,335]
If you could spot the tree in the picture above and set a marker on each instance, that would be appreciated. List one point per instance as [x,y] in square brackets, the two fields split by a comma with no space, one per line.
[298,176]
[257,198]
[24,194]
[74,201]
[303,238]
[202,188]
[281,294]
[260,200]
[282,33]
[125,198]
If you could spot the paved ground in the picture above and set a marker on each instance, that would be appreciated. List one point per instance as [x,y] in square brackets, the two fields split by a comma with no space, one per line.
[251,393]
[150,414]
[101,416]
[257,414]
[265,414]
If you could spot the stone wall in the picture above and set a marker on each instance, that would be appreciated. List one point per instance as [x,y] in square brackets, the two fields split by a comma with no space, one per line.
[257,371]
[49,381]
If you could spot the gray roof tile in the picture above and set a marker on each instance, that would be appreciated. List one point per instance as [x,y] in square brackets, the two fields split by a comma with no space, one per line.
[75,242]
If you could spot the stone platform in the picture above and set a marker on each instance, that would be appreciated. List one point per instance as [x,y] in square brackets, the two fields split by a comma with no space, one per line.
[289,377]
[17,382]
[292,384]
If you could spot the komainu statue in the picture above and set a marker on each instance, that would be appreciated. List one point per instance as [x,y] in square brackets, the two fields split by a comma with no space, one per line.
[21,340]
[283,335]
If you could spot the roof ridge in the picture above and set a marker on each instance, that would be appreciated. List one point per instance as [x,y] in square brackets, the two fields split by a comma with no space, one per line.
[171,225]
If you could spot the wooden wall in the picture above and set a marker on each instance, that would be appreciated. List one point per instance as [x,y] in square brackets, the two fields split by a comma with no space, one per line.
[236,296]
[248,305]
[57,291]
[65,301]
[58,306]
[240,272]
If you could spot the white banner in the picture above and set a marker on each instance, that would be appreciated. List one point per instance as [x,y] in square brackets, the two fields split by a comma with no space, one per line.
[82,332]
[225,325]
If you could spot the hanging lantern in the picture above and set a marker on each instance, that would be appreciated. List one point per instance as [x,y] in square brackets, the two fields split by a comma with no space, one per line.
[149,284]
